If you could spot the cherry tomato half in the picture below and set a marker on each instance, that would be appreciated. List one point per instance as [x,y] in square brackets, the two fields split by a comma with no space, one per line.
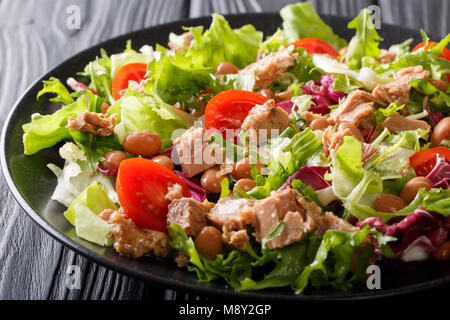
[424,161]
[131,71]
[430,44]
[228,109]
[141,187]
[314,45]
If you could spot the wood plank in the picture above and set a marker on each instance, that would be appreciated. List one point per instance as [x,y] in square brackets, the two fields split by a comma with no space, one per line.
[432,16]
[335,7]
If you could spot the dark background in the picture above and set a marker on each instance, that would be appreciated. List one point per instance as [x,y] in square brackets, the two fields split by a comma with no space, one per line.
[34,38]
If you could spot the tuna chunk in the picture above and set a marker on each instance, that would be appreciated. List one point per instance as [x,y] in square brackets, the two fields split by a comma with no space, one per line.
[262,119]
[368,151]
[195,153]
[356,108]
[92,122]
[270,67]
[133,241]
[236,239]
[174,192]
[439,84]
[227,213]
[288,206]
[386,56]
[181,259]
[398,89]
[331,222]
[332,140]
[396,123]
[189,214]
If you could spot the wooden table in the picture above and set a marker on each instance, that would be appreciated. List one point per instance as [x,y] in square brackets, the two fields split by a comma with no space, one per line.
[34,38]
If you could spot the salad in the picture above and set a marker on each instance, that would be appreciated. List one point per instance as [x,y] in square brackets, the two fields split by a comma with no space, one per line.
[295,160]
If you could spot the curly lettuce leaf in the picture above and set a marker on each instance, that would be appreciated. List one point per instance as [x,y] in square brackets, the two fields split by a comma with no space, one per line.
[311,261]
[365,42]
[290,158]
[300,20]
[429,59]
[53,85]
[222,43]
[333,260]
[99,73]
[94,146]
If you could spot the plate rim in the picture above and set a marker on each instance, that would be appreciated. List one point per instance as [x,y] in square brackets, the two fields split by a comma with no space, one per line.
[169,282]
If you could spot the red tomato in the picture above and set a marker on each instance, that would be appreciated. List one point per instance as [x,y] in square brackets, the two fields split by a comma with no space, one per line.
[424,161]
[131,71]
[141,186]
[446,52]
[314,45]
[228,109]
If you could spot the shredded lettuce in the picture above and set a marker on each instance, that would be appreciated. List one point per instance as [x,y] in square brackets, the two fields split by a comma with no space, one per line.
[76,176]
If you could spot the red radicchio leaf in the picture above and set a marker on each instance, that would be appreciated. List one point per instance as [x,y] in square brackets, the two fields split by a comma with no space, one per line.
[107,171]
[312,175]
[323,94]
[419,234]
[440,175]
[197,192]
[286,105]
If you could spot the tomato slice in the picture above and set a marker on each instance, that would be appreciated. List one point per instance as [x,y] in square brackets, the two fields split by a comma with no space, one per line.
[228,109]
[131,71]
[141,187]
[424,161]
[314,45]
[430,44]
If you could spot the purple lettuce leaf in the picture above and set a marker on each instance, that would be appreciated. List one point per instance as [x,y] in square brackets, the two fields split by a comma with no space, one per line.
[440,175]
[309,175]
[323,94]
[418,235]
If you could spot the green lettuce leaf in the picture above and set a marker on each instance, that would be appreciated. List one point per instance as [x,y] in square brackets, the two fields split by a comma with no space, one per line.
[94,197]
[83,214]
[221,43]
[301,21]
[316,261]
[99,74]
[437,200]
[55,86]
[46,131]
[94,146]
[429,59]
[333,260]
[365,42]
[140,112]
[290,158]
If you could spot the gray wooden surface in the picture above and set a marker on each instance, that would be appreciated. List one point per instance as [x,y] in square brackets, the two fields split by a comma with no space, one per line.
[34,38]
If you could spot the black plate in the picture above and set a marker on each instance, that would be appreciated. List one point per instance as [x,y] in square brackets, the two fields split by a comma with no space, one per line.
[32,184]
